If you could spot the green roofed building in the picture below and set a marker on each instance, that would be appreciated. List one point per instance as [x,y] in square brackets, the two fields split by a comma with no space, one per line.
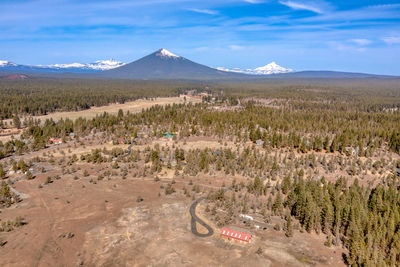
[169,135]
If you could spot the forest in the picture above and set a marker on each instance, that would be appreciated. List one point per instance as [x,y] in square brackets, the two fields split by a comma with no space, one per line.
[323,156]
[303,130]
[39,96]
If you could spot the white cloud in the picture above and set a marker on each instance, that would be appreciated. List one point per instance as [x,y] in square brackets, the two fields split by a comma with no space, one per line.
[360,41]
[303,6]
[236,47]
[392,40]
[202,48]
[361,14]
[345,47]
[253,1]
[203,11]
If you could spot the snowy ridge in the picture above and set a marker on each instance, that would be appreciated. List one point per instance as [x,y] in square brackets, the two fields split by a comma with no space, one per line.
[237,70]
[4,63]
[65,66]
[164,53]
[98,65]
[271,68]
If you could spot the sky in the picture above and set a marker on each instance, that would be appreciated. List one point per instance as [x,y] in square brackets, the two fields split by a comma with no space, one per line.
[343,35]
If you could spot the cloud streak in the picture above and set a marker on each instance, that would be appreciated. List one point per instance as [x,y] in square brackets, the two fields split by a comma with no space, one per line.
[303,6]
[392,40]
[236,47]
[361,42]
[204,11]
[253,1]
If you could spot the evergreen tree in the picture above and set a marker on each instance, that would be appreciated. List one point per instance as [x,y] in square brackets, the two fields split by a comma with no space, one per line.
[2,172]
[288,225]
[286,184]
[16,122]
[277,207]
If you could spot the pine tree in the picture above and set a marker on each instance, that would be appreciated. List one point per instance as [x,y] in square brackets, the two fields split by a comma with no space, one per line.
[286,184]
[2,172]
[327,215]
[16,122]
[277,207]
[288,225]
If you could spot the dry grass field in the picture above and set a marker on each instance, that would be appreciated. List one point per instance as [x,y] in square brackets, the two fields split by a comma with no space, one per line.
[132,107]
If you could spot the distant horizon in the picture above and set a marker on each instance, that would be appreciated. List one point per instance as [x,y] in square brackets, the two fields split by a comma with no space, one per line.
[219,67]
[298,34]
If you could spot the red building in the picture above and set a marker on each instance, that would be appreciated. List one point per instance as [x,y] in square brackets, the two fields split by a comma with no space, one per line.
[55,141]
[235,235]
[121,141]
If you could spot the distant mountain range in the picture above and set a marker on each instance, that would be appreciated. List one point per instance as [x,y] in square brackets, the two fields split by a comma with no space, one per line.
[101,65]
[98,65]
[163,64]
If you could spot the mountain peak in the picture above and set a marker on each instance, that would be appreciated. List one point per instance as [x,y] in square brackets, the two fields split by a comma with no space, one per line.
[271,68]
[164,53]
[4,63]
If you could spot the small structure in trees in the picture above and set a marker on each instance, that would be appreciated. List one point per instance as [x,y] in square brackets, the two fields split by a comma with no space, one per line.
[55,141]
[259,142]
[168,135]
[121,141]
[352,151]
[248,217]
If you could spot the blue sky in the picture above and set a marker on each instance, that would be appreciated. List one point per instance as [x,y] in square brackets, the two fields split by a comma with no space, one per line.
[358,35]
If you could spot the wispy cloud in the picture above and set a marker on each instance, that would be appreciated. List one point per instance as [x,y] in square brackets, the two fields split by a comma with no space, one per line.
[361,42]
[369,13]
[392,40]
[313,7]
[253,1]
[203,11]
[202,48]
[345,47]
[236,47]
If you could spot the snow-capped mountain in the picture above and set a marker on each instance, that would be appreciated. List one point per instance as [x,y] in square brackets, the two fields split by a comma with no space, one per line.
[164,53]
[4,63]
[271,68]
[98,65]
[163,64]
